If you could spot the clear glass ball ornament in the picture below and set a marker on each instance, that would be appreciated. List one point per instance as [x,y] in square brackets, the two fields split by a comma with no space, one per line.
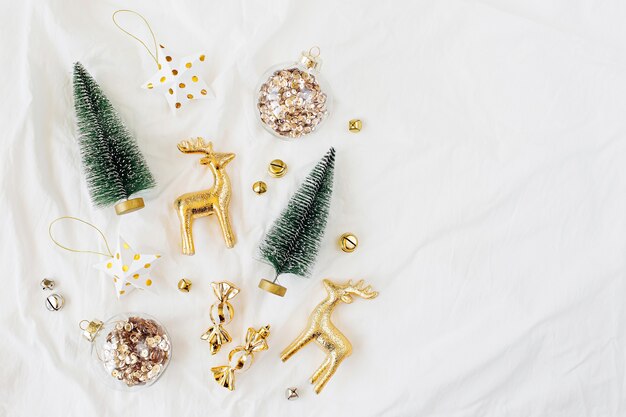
[293,99]
[130,351]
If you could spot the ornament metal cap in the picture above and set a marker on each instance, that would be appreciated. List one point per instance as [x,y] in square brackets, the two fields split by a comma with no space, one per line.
[128,206]
[272,287]
[311,59]
[90,328]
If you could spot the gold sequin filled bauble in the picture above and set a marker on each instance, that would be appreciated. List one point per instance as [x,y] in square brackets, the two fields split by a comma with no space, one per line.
[293,99]
[129,351]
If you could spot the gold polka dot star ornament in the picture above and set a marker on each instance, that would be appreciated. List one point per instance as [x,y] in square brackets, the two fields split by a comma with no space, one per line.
[128,269]
[179,80]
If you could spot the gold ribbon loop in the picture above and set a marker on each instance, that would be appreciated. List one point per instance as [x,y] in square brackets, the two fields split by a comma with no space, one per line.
[154,55]
[56,242]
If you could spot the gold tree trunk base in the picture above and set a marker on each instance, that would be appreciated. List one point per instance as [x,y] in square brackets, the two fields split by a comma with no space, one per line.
[272,287]
[129,206]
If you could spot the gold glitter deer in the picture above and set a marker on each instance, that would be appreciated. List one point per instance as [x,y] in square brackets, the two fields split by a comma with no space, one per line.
[204,203]
[324,332]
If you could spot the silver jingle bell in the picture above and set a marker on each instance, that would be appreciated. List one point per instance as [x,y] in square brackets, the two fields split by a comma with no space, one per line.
[47,284]
[54,302]
[291,393]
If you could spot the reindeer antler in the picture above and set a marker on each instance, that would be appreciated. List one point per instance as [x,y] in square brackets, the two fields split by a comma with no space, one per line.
[357,289]
[189,146]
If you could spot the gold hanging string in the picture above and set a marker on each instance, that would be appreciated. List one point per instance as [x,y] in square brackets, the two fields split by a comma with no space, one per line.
[154,55]
[56,242]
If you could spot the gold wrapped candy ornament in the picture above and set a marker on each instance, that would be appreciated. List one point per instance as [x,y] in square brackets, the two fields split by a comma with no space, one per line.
[221,313]
[241,357]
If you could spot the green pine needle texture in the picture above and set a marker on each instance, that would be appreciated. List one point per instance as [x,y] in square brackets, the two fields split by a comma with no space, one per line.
[114,166]
[292,244]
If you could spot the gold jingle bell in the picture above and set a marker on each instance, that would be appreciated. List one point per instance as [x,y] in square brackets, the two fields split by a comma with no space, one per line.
[47,284]
[277,168]
[54,302]
[348,242]
[128,206]
[272,287]
[355,125]
[184,285]
[259,187]
[291,393]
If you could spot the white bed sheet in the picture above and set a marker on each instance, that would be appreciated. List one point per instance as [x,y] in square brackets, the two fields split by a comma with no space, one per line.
[487,189]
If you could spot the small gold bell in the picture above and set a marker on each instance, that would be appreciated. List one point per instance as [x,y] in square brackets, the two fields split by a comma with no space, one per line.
[348,242]
[184,285]
[47,284]
[291,393]
[277,168]
[355,125]
[259,187]
[54,302]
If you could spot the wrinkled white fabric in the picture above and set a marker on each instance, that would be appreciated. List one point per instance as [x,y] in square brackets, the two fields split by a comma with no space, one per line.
[487,189]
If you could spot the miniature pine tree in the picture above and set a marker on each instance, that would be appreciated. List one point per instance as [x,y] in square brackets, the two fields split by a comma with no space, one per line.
[293,241]
[114,166]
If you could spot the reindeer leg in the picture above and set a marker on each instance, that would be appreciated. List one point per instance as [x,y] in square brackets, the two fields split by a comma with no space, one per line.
[304,338]
[186,232]
[322,369]
[336,359]
[227,230]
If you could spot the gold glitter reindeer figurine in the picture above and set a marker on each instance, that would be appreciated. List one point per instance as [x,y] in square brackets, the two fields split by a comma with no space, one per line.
[324,332]
[204,203]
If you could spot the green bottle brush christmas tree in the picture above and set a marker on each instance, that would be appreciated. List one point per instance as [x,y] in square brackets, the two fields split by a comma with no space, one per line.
[292,244]
[114,166]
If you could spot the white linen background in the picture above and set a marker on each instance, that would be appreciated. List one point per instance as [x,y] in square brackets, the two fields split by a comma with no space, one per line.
[487,189]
